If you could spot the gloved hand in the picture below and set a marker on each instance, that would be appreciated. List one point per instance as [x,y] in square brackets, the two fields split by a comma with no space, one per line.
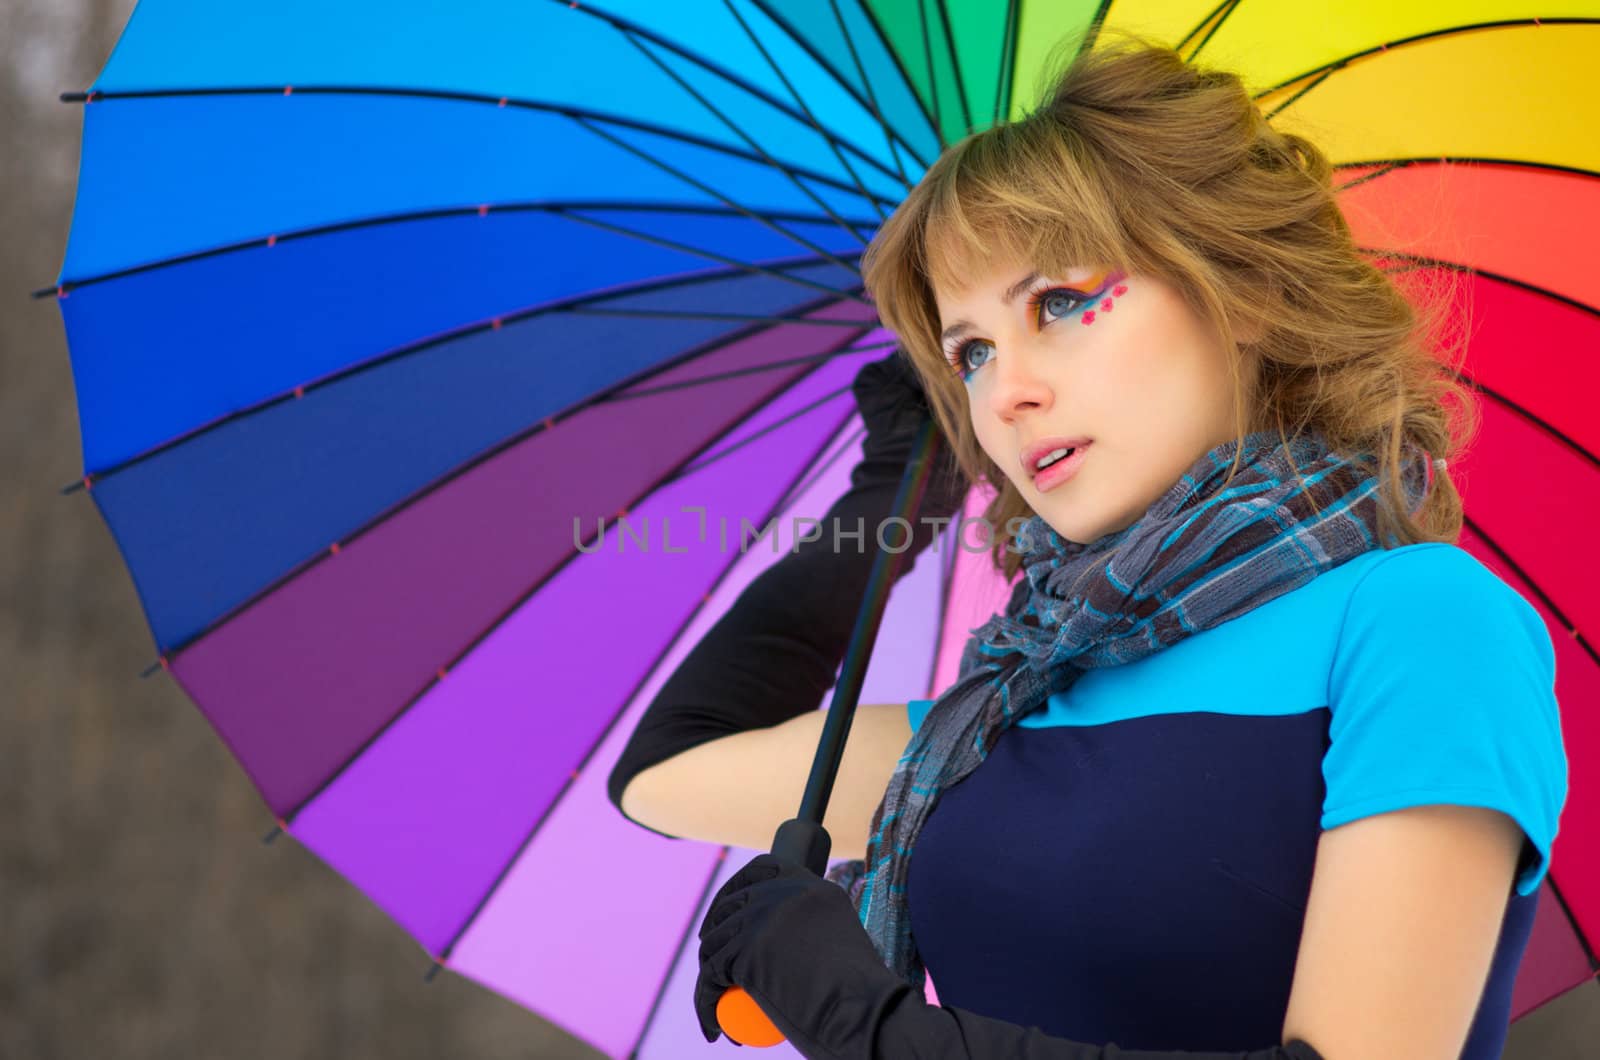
[793,941]
[774,653]
[894,406]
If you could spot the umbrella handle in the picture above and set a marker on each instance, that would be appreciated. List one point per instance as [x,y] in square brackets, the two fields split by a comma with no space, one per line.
[742,1020]
[802,839]
[804,843]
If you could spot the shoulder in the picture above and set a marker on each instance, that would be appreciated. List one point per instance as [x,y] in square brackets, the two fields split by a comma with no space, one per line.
[1433,616]
[1437,597]
[1442,690]
[1416,576]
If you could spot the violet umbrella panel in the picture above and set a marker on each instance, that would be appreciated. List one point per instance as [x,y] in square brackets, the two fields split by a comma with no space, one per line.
[371,329]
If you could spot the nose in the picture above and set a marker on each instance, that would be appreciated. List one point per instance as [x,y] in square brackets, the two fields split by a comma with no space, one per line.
[1018,385]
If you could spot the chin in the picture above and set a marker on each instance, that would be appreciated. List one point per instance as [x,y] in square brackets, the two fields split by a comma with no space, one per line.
[1079,531]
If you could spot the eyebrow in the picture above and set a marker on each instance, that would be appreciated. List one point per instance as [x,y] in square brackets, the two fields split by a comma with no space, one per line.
[961,327]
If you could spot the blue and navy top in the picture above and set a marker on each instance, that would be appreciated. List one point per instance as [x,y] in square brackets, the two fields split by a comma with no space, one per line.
[1131,862]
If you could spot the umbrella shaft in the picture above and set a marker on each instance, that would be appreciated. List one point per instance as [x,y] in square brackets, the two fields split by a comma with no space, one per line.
[802,839]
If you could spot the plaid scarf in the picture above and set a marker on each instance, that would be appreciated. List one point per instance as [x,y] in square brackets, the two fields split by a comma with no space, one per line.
[1198,557]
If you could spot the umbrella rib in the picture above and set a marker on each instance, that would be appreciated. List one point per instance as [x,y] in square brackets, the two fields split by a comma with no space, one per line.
[580,304]
[773,162]
[724,259]
[772,513]
[1008,61]
[1095,24]
[1490,160]
[717,377]
[341,225]
[628,26]
[955,66]
[1334,65]
[1374,175]
[417,495]
[800,101]
[927,60]
[1538,421]
[896,143]
[1505,557]
[814,248]
[762,433]
[674,314]
[1326,73]
[1425,261]
[1218,17]
[827,461]
[1200,25]
[872,96]
[871,17]
[877,112]
[565,209]
[1543,425]
[1391,164]
[468,97]
[1573,922]
[1546,427]
[689,931]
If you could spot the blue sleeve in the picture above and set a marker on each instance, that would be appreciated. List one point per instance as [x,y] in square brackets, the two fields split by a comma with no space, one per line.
[1442,690]
[916,710]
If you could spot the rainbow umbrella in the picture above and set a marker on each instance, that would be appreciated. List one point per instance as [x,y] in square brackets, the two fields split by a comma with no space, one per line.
[445,371]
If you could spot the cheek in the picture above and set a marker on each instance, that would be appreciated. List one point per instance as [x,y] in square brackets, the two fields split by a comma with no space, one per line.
[989,439]
[1144,363]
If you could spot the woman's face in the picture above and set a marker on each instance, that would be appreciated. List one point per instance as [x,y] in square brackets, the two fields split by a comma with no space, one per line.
[1120,360]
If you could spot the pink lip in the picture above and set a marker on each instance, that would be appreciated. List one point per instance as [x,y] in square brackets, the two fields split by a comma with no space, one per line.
[1031,454]
[1061,470]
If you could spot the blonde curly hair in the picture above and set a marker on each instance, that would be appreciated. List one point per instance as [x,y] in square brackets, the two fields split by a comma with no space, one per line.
[1139,159]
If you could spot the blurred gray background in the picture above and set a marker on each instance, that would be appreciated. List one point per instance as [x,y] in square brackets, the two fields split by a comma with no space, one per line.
[141,914]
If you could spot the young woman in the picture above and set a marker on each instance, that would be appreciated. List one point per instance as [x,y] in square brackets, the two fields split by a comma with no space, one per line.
[1257,754]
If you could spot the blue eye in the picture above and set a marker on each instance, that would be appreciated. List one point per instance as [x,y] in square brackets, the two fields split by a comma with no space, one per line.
[960,358]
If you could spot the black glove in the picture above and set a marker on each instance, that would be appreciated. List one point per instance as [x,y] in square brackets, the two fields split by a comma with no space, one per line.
[792,940]
[778,648]
[894,406]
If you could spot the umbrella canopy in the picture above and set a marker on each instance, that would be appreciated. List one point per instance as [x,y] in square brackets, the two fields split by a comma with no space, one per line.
[376,311]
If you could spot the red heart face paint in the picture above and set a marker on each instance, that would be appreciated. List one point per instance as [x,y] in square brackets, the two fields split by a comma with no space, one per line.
[1116,290]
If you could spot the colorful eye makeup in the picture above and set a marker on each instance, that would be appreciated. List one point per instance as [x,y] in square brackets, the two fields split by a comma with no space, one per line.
[1097,296]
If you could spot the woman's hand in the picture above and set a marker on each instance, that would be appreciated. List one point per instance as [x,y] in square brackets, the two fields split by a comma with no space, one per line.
[894,406]
[793,941]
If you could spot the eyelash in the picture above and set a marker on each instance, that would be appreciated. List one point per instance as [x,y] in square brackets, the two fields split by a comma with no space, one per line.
[957,358]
